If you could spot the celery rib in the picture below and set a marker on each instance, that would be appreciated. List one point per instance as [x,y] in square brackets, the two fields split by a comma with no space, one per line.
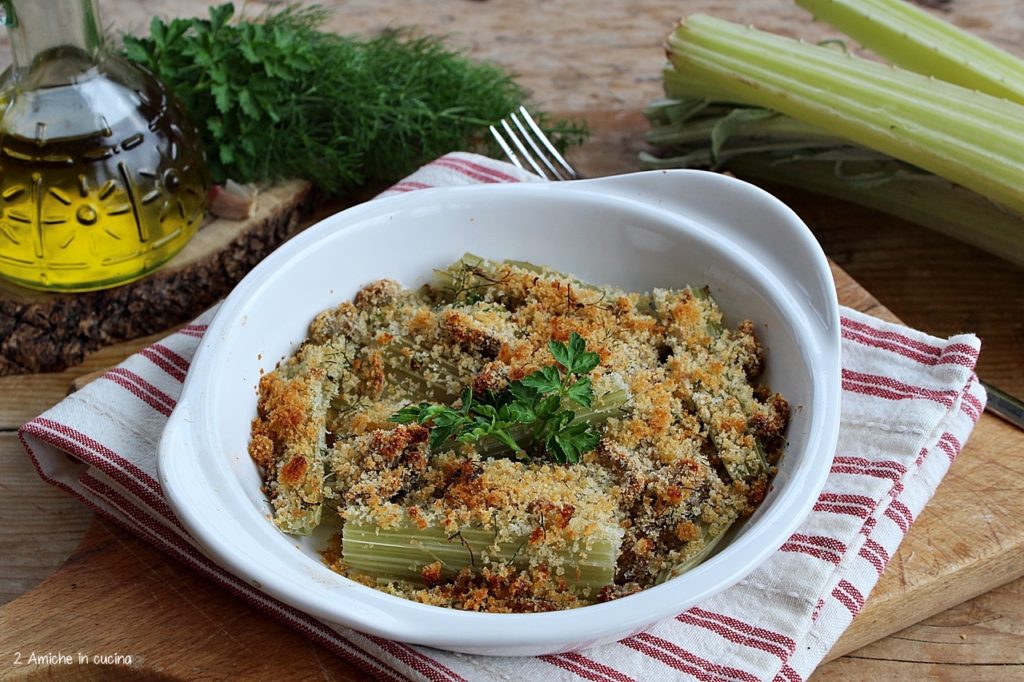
[915,40]
[922,198]
[847,76]
[806,159]
[886,109]
[465,277]
[710,540]
[734,40]
[399,553]
[961,157]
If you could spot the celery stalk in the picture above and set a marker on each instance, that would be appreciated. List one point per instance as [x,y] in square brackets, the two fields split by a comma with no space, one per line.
[969,138]
[445,385]
[399,553]
[467,278]
[776,128]
[916,40]
[710,540]
[784,150]
[896,189]
[844,75]
[678,86]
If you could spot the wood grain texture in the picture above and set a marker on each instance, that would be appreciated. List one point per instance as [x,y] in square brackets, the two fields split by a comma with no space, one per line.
[23,396]
[930,281]
[177,625]
[964,543]
[40,526]
[605,62]
[981,639]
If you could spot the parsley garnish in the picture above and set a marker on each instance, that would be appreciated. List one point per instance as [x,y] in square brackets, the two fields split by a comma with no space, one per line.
[528,416]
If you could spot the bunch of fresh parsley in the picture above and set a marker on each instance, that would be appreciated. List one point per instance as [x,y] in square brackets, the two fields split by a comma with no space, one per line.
[279,98]
[534,402]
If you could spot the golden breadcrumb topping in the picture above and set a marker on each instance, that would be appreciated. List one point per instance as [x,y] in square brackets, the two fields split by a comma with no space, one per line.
[688,439]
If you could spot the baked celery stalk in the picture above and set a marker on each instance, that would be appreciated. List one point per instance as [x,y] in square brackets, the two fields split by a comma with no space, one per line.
[300,392]
[400,552]
[467,279]
[418,372]
[710,539]
[913,39]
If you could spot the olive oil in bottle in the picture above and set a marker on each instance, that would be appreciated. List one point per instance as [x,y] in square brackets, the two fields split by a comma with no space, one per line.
[102,177]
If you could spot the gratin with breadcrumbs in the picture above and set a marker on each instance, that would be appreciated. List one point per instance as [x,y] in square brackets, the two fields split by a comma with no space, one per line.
[510,439]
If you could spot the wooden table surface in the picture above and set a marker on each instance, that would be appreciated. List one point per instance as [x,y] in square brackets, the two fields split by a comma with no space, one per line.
[603,59]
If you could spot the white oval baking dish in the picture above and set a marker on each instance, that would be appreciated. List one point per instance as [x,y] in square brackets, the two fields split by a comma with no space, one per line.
[639,231]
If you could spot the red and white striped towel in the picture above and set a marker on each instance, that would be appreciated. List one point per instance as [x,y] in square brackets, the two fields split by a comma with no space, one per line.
[909,403]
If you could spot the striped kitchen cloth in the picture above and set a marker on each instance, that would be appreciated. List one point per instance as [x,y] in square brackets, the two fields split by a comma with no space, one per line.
[909,402]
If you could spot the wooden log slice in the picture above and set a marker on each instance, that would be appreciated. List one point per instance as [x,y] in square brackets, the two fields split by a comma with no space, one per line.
[41,332]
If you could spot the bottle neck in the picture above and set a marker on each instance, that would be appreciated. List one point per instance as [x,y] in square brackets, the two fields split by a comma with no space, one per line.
[41,27]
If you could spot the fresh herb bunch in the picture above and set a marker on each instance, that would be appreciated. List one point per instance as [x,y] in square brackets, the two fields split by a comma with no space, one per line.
[279,98]
[534,402]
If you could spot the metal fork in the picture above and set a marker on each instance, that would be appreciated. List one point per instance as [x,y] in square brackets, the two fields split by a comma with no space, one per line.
[525,141]
[1002,404]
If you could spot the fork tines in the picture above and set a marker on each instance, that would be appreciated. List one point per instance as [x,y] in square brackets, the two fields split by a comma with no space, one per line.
[523,140]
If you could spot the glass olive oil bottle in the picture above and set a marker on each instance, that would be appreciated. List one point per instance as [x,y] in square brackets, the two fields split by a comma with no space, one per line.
[102,177]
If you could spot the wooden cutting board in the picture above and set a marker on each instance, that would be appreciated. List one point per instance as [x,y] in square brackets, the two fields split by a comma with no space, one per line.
[116,595]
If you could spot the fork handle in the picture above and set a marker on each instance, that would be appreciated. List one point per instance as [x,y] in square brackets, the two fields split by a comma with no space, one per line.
[1004,405]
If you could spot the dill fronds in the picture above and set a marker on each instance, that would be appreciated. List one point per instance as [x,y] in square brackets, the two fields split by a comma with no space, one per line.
[279,98]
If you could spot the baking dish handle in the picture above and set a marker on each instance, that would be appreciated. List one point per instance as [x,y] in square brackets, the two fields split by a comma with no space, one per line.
[780,239]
